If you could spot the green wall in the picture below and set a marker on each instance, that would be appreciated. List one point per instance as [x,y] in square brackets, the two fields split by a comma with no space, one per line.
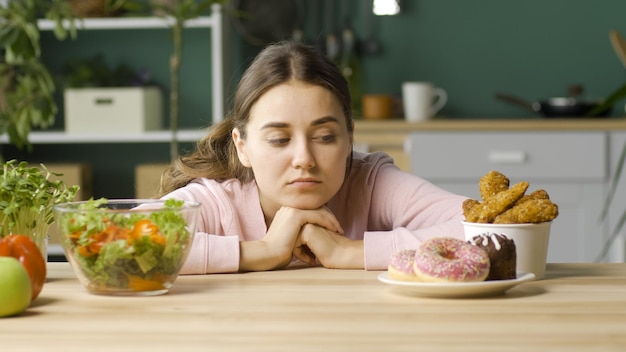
[533,49]
[143,49]
[473,48]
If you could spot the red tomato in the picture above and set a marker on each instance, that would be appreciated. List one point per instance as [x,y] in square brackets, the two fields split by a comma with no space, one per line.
[26,252]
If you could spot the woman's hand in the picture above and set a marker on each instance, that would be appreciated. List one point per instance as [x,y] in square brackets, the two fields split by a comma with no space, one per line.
[331,249]
[276,248]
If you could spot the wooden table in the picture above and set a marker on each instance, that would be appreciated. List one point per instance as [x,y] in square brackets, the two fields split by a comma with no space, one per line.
[577,307]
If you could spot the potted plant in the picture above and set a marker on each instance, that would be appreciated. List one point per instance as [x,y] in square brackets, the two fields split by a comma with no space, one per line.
[27,198]
[26,86]
[102,8]
[617,230]
[94,72]
[619,45]
[180,11]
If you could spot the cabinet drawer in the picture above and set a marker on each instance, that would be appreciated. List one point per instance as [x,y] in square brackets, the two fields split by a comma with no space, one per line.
[531,155]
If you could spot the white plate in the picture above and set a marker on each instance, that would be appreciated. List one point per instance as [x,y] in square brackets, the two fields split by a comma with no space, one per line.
[456,289]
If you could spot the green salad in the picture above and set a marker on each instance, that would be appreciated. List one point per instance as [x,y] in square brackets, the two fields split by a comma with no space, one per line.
[134,250]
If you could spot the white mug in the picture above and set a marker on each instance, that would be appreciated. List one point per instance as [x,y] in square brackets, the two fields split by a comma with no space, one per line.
[418,100]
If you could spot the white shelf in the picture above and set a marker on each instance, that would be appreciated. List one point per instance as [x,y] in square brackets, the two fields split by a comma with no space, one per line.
[61,137]
[130,23]
[214,22]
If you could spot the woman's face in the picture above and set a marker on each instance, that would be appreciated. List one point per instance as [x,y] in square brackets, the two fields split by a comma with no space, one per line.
[297,145]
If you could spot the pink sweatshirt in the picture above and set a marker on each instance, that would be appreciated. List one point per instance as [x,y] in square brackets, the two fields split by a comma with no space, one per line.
[387,208]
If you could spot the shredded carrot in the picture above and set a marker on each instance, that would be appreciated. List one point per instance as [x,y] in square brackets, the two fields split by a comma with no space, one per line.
[158,239]
[84,251]
[136,283]
[113,232]
[94,248]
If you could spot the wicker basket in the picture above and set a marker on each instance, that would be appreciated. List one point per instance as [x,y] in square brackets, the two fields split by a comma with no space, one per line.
[88,8]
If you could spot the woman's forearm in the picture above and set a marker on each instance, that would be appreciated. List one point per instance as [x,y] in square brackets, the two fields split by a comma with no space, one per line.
[260,256]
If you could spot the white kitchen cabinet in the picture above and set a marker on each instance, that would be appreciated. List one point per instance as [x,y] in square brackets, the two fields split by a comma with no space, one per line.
[617,252]
[570,166]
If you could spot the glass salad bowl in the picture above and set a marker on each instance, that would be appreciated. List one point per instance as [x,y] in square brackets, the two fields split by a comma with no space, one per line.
[127,247]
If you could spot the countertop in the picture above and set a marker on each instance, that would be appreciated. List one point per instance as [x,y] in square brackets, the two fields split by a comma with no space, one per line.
[577,307]
[547,124]
[363,128]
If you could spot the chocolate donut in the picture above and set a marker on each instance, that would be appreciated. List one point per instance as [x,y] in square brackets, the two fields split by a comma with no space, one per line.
[502,255]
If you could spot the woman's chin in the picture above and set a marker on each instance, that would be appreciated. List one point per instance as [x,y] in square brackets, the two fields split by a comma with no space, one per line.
[306,205]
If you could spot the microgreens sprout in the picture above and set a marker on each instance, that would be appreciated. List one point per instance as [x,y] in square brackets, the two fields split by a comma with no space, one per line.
[27,198]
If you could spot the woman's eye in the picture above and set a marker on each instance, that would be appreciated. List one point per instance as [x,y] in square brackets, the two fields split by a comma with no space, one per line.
[326,138]
[278,141]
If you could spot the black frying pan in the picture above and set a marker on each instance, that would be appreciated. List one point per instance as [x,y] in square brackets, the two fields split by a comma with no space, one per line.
[557,106]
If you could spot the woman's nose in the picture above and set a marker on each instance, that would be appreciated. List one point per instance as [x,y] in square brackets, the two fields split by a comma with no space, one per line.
[303,156]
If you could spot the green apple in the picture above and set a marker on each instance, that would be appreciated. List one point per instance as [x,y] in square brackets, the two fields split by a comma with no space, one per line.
[15,291]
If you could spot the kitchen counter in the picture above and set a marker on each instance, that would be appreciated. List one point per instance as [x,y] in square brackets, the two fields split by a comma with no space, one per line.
[578,307]
[552,124]
[390,136]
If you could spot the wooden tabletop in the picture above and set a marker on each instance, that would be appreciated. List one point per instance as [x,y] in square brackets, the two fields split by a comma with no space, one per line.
[578,307]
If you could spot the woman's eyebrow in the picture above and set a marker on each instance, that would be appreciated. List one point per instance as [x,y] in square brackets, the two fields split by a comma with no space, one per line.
[325,119]
[275,125]
[320,121]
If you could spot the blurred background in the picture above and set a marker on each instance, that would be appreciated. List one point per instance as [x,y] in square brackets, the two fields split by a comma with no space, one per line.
[533,49]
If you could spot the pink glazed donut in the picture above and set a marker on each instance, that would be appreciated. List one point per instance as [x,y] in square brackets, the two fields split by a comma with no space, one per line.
[450,260]
[401,266]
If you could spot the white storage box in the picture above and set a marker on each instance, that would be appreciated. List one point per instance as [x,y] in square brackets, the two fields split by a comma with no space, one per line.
[119,109]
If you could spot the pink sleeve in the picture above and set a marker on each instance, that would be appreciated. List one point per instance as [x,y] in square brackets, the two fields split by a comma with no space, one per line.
[413,210]
[379,246]
[212,254]
[215,247]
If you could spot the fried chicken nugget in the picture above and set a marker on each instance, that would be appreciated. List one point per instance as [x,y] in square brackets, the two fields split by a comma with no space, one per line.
[487,211]
[530,211]
[468,204]
[536,194]
[491,184]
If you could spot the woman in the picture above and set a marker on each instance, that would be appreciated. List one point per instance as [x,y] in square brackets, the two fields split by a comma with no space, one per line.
[278,180]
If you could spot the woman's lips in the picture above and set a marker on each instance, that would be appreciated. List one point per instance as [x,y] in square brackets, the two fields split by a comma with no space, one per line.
[304,182]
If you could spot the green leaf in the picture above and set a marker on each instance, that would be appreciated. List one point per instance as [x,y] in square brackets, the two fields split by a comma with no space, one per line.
[612,99]
[8,34]
[26,84]
[27,197]
[609,242]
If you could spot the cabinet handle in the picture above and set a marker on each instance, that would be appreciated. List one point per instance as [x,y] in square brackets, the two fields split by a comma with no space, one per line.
[507,157]
[103,101]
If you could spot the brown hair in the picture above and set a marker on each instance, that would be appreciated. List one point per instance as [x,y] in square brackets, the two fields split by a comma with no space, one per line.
[215,156]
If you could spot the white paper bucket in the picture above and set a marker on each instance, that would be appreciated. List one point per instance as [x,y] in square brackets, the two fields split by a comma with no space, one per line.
[531,242]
